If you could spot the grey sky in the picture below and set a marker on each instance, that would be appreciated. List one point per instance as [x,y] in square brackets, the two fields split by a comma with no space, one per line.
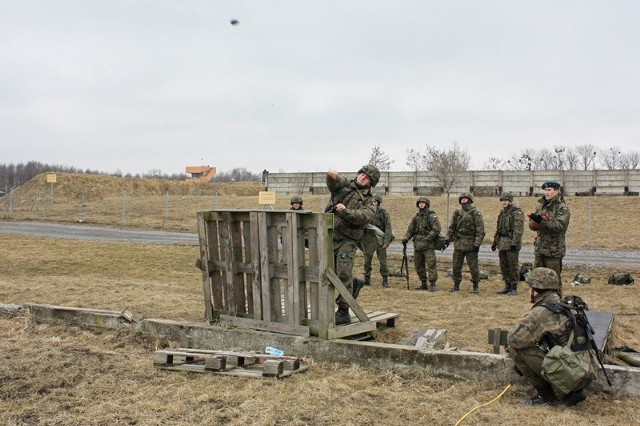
[307,86]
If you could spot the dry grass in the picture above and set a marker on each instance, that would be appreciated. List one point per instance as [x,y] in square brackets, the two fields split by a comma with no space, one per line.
[66,375]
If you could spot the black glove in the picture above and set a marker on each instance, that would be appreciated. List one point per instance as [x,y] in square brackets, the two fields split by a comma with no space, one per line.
[476,249]
[535,217]
[404,242]
[494,247]
[513,247]
[445,244]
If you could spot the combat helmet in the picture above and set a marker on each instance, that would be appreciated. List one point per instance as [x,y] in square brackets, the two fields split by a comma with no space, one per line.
[371,171]
[543,279]
[465,195]
[506,196]
[378,198]
[423,200]
[296,199]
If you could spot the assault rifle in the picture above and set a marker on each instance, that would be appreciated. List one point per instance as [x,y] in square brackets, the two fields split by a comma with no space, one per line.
[405,263]
[579,306]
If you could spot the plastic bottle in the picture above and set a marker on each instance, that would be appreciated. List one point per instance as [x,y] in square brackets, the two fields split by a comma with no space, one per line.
[274,351]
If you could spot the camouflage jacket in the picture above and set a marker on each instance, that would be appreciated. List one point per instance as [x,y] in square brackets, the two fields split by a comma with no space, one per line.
[383,221]
[424,229]
[509,228]
[466,229]
[349,224]
[540,326]
[550,241]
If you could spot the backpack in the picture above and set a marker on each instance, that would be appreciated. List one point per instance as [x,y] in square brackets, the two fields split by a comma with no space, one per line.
[621,278]
[570,367]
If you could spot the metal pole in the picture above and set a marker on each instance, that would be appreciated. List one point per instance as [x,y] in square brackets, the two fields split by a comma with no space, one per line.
[124,204]
[166,212]
[215,201]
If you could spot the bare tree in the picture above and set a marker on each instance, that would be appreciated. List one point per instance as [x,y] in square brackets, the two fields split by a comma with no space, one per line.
[630,160]
[380,159]
[494,163]
[415,160]
[572,159]
[611,158]
[524,160]
[587,155]
[447,164]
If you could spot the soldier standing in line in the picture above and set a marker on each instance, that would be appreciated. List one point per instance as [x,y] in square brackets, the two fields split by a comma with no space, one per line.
[296,203]
[550,221]
[467,232]
[425,230]
[508,240]
[383,222]
[352,205]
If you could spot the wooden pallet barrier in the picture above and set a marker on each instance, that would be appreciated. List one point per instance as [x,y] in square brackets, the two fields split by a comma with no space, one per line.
[230,363]
[273,270]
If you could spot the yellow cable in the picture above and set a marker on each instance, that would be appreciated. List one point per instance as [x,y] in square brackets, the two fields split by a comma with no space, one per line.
[482,405]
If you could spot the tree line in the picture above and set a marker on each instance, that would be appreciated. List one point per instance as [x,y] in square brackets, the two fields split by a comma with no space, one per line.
[14,175]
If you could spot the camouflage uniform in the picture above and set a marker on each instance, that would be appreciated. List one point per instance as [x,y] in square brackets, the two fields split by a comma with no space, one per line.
[508,240]
[424,229]
[540,330]
[550,245]
[467,233]
[382,221]
[348,227]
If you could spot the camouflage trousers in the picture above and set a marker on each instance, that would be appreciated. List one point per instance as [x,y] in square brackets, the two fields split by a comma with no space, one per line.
[509,267]
[472,262]
[344,254]
[425,263]
[529,362]
[554,263]
[382,258]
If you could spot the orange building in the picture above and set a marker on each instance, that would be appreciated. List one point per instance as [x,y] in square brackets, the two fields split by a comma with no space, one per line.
[200,173]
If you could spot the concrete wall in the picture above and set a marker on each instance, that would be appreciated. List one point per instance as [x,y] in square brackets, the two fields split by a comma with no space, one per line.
[483,182]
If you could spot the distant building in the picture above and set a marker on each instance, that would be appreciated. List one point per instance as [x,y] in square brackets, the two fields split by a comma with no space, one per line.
[200,173]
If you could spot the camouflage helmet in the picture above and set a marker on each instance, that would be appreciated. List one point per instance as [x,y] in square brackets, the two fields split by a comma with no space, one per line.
[543,279]
[506,196]
[423,200]
[465,195]
[296,199]
[378,198]
[371,171]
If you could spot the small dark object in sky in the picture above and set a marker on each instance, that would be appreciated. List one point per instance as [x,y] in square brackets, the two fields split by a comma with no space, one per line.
[234,22]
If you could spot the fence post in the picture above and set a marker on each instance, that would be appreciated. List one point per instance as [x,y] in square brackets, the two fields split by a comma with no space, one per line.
[166,212]
[124,205]
[589,222]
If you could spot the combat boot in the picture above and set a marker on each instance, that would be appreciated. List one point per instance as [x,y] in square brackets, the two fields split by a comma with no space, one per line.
[574,397]
[476,289]
[456,287]
[505,290]
[357,285]
[544,396]
[432,288]
[513,291]
[367,280]
[423,286]
[342,316]
[385,281]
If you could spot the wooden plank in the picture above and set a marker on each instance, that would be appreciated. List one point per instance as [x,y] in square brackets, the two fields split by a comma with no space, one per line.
[238,372]
[247,267]
[204,260]
[312,271]
[346,296]
[255,264]
[226,254]
[213,251]
[264,267]
[325,290]
[239,295]
[275,327]
[292,306]
[273,368]
[351,329]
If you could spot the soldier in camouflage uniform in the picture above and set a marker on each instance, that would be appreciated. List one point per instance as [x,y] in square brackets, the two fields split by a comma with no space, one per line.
[467,232]
[352,205]
[539,330]
[550,221]
[383,222]
[424,229]
[296,203]
[508,240]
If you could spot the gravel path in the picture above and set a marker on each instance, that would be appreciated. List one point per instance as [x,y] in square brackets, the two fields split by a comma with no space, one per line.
[575,257]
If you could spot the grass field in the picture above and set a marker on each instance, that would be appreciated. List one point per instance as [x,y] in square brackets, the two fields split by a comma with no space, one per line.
[65,375]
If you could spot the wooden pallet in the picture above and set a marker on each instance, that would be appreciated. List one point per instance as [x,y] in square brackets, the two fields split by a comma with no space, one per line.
[228,363]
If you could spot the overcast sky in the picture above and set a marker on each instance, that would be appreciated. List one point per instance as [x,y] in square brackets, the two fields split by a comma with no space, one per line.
[311,85]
